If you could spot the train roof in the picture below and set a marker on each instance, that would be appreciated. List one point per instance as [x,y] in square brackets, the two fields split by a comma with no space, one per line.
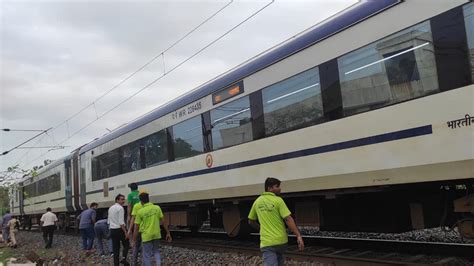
[49,166]
[346,18]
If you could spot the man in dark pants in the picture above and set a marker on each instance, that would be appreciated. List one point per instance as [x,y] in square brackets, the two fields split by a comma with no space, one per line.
[48,224]
[272,213]
[118,232]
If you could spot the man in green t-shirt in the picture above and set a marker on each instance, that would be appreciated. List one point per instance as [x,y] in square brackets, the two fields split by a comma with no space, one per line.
[132,199]
[148,220]
[131,230]
[272,213]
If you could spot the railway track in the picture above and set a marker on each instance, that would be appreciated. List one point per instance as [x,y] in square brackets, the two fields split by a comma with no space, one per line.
[339,251]
[333,250]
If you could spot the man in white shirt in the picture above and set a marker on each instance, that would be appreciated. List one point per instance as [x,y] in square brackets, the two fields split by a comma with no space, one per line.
[48,224]
[118,232]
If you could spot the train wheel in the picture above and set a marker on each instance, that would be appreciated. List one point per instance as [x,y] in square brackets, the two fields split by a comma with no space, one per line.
[235,221]
[466,228]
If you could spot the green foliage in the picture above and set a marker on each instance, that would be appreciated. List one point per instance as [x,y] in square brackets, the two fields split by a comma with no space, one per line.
[4,204]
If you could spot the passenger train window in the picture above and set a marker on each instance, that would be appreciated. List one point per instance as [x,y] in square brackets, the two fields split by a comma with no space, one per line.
[156,148]
[187,138]
[231,123]
[53,183]
[293,103]
[397,68]
[469,22]
[131,157]
[108,165]
[44,186]
[29,191]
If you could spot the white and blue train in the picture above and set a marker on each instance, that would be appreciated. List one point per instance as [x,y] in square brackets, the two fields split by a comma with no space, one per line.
[367,118]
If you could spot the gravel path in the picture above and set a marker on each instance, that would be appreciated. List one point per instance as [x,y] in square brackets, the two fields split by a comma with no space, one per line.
[424,235]
[67,251]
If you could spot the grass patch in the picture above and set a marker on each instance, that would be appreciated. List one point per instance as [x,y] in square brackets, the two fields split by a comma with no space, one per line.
[5,254]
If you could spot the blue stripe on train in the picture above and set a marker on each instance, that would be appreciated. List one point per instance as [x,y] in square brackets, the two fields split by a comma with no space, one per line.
[397,135]
[386,137]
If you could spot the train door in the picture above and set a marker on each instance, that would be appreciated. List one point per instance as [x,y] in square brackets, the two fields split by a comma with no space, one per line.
[75,180]
[68,187]
[21,191]
[82,179]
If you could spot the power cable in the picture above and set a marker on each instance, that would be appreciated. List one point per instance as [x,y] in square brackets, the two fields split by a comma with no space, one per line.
[160,77]
[143,66]
[26,141]
[130,75]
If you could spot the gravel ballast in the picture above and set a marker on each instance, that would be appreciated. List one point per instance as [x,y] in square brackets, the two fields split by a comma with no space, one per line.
[67,251]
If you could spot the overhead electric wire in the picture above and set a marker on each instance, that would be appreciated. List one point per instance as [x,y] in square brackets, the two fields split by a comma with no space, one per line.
[133,73]
[143,66]
[26,141]
[163,75]
[174,68]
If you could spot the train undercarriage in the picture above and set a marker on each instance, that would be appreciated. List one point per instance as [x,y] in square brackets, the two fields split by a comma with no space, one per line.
[389,209]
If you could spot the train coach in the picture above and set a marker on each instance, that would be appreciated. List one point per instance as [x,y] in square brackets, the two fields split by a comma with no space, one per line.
[367,118]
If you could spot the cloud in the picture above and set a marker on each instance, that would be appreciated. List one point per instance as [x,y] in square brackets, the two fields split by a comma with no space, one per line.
[58,56]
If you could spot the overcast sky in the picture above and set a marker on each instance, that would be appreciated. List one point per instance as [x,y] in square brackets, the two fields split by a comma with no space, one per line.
[59,56]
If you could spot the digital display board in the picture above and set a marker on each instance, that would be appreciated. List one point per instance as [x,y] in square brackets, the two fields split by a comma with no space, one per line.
[227,93]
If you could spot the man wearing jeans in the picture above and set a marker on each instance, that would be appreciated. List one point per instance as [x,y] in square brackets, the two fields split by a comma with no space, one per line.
[272,213]
[133,227]
[148,221]
[86,226]
[5,229]
[102,232]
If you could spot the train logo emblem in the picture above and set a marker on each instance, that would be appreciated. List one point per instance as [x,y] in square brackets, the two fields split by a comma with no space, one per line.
[209,160]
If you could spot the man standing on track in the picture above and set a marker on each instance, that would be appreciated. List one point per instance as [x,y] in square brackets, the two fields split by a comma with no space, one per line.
[118,232]
[86,226]
[272,213]
[13,224]
[5,229]
[48,224]
[131,232]
[148,220]
[132,199]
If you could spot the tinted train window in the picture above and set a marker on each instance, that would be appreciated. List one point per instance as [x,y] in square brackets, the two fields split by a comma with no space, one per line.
[469,22]
[231,123]
[44,186]
[131,157]
[50,184]
[156,148]
[187,138]
[293,103]
[54,182]
[397,68]
[108,164]
[30,190]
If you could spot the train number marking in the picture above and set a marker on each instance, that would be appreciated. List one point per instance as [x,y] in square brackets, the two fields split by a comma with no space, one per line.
[186,110]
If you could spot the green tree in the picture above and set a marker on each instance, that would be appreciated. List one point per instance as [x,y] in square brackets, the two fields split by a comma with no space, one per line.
[8,179]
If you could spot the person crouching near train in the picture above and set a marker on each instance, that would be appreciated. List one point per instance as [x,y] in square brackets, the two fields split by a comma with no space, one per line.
[272,213]
[148,220]
[102,233]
